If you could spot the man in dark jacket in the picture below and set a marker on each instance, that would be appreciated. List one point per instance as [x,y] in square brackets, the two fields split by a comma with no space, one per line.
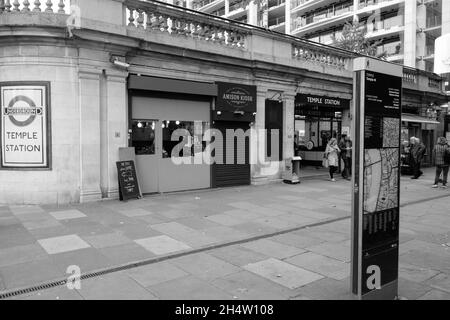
[442,153]
[418,151]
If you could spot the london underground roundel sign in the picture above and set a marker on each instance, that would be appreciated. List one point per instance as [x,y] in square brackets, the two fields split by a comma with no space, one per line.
[25,131]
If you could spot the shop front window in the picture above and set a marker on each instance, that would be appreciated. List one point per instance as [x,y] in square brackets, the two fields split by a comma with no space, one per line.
[183,138]
[143,136]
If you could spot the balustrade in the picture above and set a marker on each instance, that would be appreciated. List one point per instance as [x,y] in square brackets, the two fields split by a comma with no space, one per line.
[178,22]
[320,55]
[37,6]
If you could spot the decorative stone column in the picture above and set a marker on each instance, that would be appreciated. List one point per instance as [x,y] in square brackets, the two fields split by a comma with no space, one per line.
[114,124]
[288,124]
[258,149]
[89,108]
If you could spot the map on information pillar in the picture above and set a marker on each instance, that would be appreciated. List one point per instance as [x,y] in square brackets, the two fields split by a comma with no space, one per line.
[380,179]
[381,144]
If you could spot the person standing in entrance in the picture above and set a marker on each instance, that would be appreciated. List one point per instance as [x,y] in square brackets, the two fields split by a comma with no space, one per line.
[346,155]
[332,155]
[418,151]
[442,155]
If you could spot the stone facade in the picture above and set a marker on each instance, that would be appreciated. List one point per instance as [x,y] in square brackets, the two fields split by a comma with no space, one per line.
[89,97]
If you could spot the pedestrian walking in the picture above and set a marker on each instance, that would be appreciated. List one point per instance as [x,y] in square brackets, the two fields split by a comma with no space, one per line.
[418,151]
[442,156]
[332,156]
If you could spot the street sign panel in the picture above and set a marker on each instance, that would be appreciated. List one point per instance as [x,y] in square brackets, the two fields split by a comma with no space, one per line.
[376,179]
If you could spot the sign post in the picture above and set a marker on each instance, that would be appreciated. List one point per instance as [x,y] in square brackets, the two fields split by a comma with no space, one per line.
[376,130]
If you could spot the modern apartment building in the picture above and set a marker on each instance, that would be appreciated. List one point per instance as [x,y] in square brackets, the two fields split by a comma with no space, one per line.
[406,29]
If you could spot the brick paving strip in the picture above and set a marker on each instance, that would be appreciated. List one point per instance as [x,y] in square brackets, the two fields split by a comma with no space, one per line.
[193,251]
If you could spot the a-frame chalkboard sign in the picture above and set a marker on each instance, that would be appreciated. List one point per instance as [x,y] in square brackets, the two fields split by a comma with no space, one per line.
[128,182]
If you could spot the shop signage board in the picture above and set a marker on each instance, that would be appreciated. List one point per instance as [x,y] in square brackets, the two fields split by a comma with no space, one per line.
[235,97]
[128,182]
[376,129]
[25,126]
[323,101]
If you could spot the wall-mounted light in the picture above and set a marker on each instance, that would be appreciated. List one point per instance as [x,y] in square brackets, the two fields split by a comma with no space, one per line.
[219,113]
[119,62]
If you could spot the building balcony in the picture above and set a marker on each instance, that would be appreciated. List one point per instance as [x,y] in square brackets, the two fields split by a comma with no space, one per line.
[277,7]
[277,24]
[372,3]
[208,5]
[236,10]
[385,28]
[300,6]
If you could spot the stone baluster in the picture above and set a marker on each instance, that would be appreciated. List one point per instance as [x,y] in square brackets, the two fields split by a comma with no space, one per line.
[7,6]
[235,39]
[202,32]
[195,30]
[241,41]
[222,39]
[163,24]
[231,38]
[131,18]
[37,6]
[26,6]
[151,21]
[16,5]
[140,19]
[216,38]
[49,7]
[61,6]
[182,27]
[189,28]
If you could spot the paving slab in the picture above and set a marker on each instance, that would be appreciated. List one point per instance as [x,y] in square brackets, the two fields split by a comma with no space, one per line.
[435,295]
[63,244]
[30,273]
[283,273]
[21,254]
[67,214]
[188,288]
[204,266]
[238,255]
[107,240]
[325,289]
[415,273]
[156,273]
[117,286]
[127,253]
[440,282]
[273,249]
[162,245]
[337,251]
[245,285]
[323,265]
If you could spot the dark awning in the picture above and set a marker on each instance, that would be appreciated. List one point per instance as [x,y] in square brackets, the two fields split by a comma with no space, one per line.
[136,82]
[408,117]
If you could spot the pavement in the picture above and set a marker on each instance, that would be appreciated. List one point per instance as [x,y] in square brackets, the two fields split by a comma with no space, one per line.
[274,241]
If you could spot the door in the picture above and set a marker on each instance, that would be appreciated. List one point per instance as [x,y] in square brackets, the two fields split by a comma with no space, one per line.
[274,126]
[155,124]
[146,139]
[236,170]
